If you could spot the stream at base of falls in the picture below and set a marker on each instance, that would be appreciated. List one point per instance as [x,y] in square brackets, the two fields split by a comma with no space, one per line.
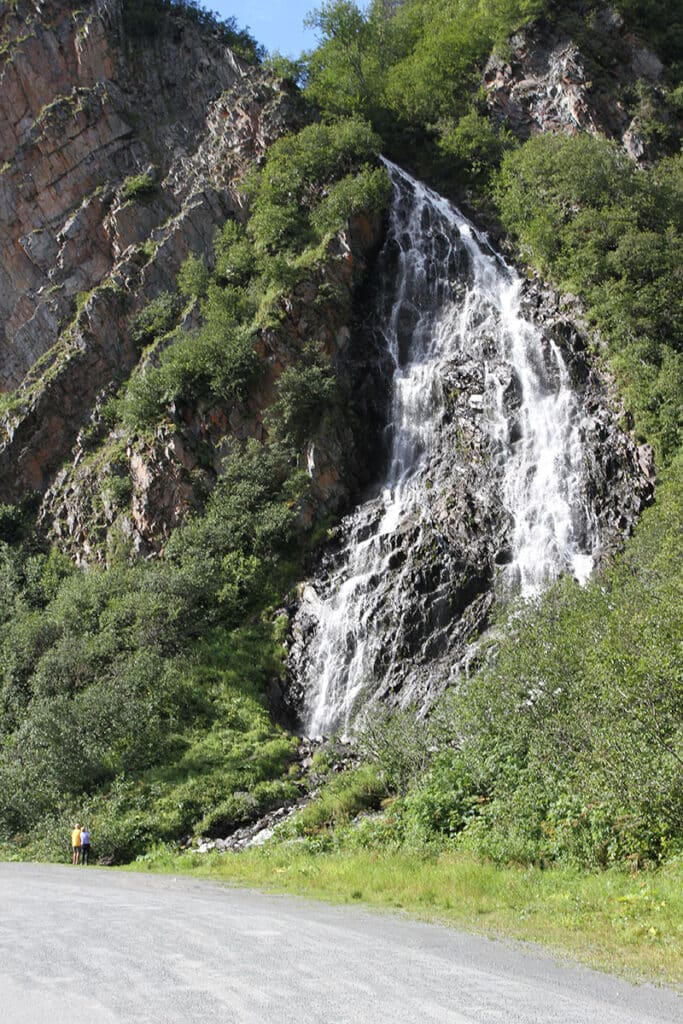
[486,488]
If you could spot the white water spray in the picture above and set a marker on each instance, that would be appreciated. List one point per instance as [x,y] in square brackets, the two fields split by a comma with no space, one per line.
[451,298]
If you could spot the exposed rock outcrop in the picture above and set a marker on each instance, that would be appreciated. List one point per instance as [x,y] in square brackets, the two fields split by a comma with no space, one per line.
[549,82]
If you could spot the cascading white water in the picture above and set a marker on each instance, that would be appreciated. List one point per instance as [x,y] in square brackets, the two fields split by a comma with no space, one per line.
[451,297]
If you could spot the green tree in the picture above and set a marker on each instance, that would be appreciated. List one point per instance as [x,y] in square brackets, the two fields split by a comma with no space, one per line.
[345,72]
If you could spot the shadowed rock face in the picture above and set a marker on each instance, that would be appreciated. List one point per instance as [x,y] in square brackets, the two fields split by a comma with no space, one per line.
[83,109]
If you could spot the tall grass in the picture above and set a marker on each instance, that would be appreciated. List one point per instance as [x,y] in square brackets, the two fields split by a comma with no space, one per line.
[630,924]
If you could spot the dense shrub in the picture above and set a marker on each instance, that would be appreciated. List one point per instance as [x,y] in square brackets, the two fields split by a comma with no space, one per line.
[473,145]
[586,216]
[193,277]
[218,364]
[365,192]
[235,257]
[156,319]
[145,19]
[304,394]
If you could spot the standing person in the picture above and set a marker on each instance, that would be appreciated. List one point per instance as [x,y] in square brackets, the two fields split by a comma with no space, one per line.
[76,844]
[85,844]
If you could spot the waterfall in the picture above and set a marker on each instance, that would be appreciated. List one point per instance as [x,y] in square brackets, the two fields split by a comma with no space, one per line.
[449,311]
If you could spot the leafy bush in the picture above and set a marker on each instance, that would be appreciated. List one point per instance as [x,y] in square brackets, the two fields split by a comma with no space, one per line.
[193,277]
[204,364]
[440,803]
[12,523]
[234,254]
[154,321]
[244,539]
[304,393]
[586,216]
[146,18]
[401,744]
[138,187]
[366,192]
[473,145]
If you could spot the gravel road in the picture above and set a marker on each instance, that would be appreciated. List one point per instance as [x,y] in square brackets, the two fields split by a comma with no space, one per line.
[87,945]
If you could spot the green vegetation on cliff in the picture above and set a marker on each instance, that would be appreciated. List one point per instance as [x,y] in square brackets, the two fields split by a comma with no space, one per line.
[415,71]
[128,695]
[568,746]
[611,233]
[313,183]
[133,695]
[143,19]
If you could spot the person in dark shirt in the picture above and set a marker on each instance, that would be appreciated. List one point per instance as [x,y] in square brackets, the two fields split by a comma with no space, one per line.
[85,844]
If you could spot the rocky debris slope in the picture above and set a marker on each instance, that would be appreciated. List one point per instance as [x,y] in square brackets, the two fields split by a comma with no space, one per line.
[119,160]
[337,756]
[256,834]
[549,82]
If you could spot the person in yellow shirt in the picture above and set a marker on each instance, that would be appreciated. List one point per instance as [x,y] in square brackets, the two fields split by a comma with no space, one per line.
[76,844]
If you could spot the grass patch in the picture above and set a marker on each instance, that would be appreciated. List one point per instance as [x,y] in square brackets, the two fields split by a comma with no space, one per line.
[627,924]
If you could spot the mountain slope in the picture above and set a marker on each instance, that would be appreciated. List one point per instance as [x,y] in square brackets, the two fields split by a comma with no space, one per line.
[196,389]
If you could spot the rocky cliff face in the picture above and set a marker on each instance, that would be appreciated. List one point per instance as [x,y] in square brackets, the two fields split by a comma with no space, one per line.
[122,156]
[126,494]
[569,77]
[119,160]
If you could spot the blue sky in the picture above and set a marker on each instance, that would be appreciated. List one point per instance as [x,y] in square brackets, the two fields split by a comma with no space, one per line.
[276,24]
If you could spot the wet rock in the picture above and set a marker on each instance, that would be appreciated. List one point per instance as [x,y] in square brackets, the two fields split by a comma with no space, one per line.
[403,596]
[256,834]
